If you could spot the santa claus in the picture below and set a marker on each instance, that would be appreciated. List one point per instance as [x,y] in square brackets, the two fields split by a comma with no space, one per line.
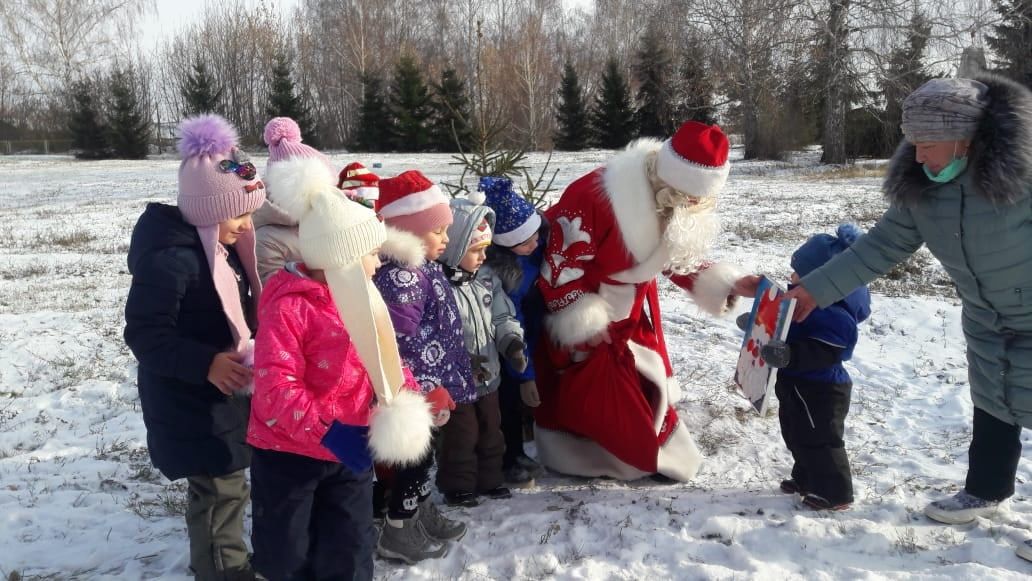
[604,376]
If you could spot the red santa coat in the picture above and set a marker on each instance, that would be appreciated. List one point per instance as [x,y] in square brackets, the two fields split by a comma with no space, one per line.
[606,411]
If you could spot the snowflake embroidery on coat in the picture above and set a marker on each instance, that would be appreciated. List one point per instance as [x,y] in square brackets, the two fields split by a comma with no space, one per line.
[402,277]
[433,353]
[439,290]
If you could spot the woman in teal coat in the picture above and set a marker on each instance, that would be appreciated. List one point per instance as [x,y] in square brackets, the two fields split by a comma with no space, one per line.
[960,182]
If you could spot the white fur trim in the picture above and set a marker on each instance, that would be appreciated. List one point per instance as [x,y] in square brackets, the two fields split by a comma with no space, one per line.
[650,365]
[478,197]
[679,458]
[403,247]
[647,269]
[414,202]
[365,192]
[620,298]
[399,433]
[570,454]
[521,234]
[586,317]
[627,188]
[712,287]
[687,176]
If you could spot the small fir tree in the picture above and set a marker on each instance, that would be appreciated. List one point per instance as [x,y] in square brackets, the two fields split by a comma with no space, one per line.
[200,92]
[571,116]
[129,128]
[373,117]
[450,124]
[409,106]
[655,114]
[612,117]
[695,84]
[1012,40]
[89,135]
[285,102]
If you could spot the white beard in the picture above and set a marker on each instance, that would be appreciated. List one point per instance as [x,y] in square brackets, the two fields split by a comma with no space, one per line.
[688,237]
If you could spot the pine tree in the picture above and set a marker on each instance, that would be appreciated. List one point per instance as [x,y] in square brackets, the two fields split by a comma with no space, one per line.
[128,126]
[1012,40]
[696,86]
[409,106]
[373,117]
[905,74]
[89,136]
[572,116]
[284,101]
[199,91]
[612,117]
[450,124]
[655,115]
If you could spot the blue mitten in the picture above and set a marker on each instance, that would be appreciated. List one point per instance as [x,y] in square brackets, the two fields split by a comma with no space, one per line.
[350,444]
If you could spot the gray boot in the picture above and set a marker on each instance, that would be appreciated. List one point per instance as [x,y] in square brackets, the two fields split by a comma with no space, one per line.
[405,540]
[436,525]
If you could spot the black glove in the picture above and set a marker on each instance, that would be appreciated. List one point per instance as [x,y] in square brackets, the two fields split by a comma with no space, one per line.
[742,320]
[478,363]
[515,355]
[776,353]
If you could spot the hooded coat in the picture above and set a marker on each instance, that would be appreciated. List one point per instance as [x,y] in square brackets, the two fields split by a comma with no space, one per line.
[175,326]
[979,226]
[276,241]
[489,325]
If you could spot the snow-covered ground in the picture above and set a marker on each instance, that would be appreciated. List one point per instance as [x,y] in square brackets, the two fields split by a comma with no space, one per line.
[78,498]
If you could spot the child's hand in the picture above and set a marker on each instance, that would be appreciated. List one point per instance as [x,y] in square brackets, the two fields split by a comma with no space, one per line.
[529,393]
[441,405]
[747,285]
[517,359]
[776,353]
[227,373]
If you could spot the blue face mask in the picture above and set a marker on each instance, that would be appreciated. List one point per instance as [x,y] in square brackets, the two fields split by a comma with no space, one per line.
[948,173]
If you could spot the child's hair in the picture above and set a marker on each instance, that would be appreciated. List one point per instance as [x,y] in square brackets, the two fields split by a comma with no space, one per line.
[820,248]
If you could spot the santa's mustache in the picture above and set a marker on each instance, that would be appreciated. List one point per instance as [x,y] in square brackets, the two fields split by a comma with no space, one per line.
[688,235]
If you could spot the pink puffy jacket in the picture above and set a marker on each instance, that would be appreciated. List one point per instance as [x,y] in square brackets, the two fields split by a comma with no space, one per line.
[306,371]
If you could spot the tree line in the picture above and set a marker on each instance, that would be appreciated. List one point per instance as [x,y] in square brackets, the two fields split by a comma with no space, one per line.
[439,75]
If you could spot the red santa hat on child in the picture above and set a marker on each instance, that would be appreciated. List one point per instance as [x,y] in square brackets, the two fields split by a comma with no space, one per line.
[358,182]
[413,203]
[694,161]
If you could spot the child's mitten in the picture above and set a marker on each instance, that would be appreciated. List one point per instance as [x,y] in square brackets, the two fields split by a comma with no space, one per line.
[742,321]
[350,444]
[479,364]
[441,404]
[517,359]
[529,393]
[776,353]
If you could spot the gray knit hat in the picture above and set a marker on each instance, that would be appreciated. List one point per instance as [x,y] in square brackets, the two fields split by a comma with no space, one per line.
[944,110]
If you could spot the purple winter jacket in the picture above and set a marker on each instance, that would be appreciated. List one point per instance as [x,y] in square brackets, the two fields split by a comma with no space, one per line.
[426,321]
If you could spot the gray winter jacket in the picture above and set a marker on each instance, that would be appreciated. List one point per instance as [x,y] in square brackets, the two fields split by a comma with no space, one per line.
[489,324]
[979,227]
[276,240]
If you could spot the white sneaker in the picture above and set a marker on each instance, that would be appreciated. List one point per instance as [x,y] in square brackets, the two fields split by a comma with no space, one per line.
[1024,550]
[960,509]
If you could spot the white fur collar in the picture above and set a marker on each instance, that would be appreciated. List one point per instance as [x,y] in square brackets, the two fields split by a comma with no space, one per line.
[404,248]
[628,190]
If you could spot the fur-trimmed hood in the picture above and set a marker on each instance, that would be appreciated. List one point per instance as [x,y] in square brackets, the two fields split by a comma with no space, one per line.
[404,248]
[1000,161]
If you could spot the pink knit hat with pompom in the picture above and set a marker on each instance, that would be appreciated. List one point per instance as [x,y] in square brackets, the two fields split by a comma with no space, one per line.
[217,181]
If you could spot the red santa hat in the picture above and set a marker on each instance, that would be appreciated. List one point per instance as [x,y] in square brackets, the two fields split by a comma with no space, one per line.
[413,203]
[694,160]
[359,182]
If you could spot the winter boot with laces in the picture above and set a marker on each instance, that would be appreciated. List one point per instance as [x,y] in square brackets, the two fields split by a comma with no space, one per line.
[436,525]
[963,507]
[405,540]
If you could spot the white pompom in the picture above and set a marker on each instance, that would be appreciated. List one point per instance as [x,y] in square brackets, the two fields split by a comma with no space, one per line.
[293,184]
[399,433]
[478,197]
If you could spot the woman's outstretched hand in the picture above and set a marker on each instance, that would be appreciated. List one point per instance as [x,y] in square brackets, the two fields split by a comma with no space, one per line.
[805,303]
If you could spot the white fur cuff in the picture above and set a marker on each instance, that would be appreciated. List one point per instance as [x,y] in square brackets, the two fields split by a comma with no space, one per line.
[399,433]
[580,321]
[712,288]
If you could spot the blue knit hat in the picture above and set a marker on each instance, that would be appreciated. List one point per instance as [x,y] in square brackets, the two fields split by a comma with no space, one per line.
[820,248]
[516,220]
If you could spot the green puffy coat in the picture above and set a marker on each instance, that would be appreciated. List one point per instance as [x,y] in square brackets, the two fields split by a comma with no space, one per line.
[979,227]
